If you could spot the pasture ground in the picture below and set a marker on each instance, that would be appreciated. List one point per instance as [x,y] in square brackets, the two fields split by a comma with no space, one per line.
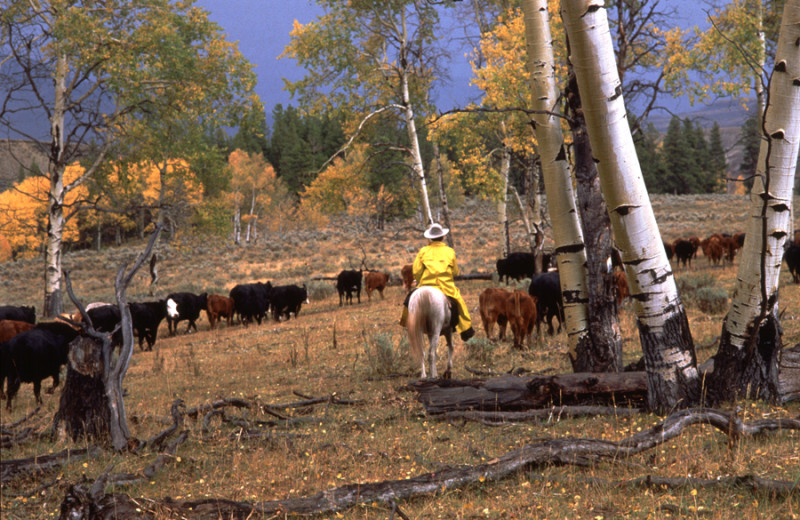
[333,350]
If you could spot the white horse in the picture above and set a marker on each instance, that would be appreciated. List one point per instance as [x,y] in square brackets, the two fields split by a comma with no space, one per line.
[429,316]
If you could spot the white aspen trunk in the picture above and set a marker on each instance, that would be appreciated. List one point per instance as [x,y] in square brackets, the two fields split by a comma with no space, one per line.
[749,354]
[672,375]
[502,205]
[567,232]
[237,224]
[758,86]
[55,204]
[411,127]
[442,195]
[250,221]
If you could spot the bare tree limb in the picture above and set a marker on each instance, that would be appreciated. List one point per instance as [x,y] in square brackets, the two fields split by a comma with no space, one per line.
[558,451]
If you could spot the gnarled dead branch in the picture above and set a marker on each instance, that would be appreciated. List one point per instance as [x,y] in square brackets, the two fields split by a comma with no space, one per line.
[555,451]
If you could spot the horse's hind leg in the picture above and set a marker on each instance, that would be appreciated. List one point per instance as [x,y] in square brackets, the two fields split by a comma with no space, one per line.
[434,343]
[448,374]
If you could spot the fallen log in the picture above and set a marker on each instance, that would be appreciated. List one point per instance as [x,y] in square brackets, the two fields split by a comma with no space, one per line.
[513,393]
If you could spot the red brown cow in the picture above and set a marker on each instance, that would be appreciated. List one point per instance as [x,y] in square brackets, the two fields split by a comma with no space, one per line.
[10,328]
[492,304]
[218,307]
[407,274]
[621,282]
[521,315]
[712,249]
[375,281]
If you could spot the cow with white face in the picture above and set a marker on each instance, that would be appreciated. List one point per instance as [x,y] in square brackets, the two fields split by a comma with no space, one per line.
[184,306]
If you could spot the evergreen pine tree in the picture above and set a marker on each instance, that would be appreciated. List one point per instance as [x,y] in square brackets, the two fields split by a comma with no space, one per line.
[750,138]
[704,183]
[647,149]
[677,158]
[717,164]
[251,136]
[694,169]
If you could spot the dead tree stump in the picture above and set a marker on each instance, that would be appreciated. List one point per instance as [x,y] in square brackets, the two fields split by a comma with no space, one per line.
[83,407]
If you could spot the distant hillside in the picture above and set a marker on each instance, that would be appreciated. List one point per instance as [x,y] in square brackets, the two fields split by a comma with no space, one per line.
[730,114]
[17,155]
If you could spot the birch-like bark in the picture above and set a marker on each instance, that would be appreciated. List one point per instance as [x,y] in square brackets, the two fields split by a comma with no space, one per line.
[567,233]
[411,127]
[672,375]
[502,205]
[55,205]
[443,194]
[749,354]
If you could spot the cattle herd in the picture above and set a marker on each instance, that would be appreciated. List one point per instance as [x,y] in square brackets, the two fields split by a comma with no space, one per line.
[30,352]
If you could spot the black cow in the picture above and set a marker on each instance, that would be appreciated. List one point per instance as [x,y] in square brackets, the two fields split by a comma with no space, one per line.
[684,251]
[792,258]
[146,317]
[546,288]
[516,265]
[668,250]
[34,355]
[251,301]
[287,299]
[184,306]
[13,312]
[106,318]
[348,282]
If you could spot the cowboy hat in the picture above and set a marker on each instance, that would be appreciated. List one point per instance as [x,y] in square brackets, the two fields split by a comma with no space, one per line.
[435,231]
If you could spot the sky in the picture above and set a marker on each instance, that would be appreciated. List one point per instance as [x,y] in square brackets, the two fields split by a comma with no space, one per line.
[261,28]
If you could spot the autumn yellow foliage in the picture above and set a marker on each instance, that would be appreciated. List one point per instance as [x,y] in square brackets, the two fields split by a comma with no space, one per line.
[342,188]
[23,212]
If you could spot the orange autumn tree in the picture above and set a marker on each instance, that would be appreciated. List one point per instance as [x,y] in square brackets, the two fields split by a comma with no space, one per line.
[343,189]
[23,212]
[131,195]
[256,189]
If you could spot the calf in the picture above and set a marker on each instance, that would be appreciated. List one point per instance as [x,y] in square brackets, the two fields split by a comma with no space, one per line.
[251,301]
[347,283]
[792,258]
[730,246]
[492,305]
[286,300]
[375,281]
[218,306]
[712,250]
[34,355]
[10,328]
[18,313]
[521,314]
[146,318]
[546,288]
[407,274]
[184,306]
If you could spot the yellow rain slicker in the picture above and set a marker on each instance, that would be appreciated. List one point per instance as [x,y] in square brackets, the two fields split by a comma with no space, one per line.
[436,265]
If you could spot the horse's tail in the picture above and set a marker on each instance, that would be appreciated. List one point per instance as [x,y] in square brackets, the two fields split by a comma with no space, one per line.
[414,325]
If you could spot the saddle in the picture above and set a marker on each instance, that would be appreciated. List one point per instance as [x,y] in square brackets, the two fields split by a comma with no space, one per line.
[454,308]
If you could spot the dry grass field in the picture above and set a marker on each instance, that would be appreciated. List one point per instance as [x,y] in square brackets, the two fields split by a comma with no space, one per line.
[345,352]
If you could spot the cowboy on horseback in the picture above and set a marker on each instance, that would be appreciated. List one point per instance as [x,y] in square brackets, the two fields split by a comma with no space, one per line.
[436,265]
